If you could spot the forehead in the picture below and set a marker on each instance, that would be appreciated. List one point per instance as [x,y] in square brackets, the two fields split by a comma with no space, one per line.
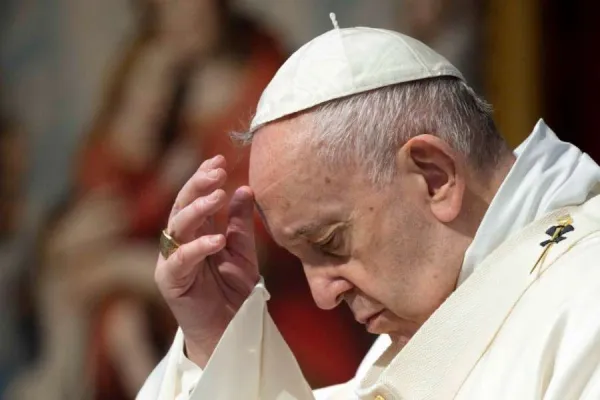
[292,185]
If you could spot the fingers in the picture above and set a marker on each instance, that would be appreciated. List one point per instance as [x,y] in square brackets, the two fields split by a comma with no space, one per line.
[186,222]
[208,177]
[176,275]
[240,229]
[217,161]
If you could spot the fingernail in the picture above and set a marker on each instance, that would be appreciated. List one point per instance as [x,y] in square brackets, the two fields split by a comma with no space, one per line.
[214,197]
[213,174]
[215,239]
[215,159]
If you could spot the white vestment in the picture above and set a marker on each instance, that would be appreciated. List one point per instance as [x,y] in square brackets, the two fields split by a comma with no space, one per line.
[505,333]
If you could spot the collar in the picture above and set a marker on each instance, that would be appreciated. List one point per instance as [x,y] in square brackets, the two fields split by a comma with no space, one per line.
[547,174]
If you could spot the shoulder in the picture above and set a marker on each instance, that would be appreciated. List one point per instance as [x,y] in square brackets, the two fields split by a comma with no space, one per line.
[578,275]
[577,269]
[563,298]
[567,285]
[568,295]
[575,352]
[552,336]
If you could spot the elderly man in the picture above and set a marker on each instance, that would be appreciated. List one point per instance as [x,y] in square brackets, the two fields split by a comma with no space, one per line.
[383,172]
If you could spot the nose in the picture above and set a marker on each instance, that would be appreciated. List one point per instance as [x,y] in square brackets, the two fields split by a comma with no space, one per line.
[327,287]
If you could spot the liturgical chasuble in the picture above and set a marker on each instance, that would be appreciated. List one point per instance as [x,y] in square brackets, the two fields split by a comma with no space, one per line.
[522,324]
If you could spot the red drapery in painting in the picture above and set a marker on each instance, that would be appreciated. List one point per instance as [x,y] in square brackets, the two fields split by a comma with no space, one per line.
[329,345]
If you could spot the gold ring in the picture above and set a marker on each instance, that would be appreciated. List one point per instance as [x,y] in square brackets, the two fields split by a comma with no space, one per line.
[168,245]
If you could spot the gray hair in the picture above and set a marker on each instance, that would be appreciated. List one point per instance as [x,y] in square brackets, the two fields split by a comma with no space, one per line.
[372,126]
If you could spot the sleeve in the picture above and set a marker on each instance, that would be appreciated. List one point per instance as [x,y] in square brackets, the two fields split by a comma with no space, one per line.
[251,362]
[190,375]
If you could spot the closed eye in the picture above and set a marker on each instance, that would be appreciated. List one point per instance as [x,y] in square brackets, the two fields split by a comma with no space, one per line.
[331,245]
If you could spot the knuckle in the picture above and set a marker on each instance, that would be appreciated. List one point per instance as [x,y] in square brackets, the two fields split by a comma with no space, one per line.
[199,205]
[200,181]
[171,224]
[174,211]
[176,208]
[204,179]
[215,175]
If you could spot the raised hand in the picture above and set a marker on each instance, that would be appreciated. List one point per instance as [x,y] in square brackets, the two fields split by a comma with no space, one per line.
[206,280]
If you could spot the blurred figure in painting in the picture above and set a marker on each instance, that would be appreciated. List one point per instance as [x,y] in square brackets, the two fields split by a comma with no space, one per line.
[193,73]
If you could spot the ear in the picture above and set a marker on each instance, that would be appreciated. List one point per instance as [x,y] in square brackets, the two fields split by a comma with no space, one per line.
[436,163]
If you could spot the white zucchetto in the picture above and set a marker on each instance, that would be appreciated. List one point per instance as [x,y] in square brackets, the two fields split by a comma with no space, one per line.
[343,62]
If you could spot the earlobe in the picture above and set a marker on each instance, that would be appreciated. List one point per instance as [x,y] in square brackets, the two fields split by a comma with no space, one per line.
[436,162]
[447,205]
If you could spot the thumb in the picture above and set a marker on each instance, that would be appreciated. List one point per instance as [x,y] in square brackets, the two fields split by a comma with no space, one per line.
[240,227]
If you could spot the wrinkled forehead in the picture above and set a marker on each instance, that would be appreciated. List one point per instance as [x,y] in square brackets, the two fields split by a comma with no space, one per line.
[276,150]
[282,162]
[292,185]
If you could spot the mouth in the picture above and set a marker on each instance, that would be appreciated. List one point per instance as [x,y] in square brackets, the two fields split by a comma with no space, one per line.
[369,318]
[373,324]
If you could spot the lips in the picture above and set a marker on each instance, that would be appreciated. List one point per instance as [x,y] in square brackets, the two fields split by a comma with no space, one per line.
[366,318]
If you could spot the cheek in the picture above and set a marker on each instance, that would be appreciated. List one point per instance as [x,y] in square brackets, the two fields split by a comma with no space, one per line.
[381,242]
[392,250]
[377,265]
[384,274]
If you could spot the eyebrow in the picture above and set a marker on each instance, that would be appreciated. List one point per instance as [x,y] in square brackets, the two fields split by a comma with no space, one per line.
[306,230]
[303,231]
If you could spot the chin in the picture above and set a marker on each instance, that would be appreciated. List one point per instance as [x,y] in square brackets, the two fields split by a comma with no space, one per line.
[382,324]
[387,323]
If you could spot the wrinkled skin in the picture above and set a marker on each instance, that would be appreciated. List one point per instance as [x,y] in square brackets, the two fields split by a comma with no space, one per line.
[208,278]
[391,252]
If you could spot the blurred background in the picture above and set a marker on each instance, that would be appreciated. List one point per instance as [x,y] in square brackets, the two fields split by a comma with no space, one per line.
[107,106]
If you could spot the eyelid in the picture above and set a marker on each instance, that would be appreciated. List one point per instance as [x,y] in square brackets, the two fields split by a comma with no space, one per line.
[331,245]
[329,233]
[327,240]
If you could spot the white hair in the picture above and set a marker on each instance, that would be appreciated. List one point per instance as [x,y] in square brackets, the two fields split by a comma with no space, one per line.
[370,127]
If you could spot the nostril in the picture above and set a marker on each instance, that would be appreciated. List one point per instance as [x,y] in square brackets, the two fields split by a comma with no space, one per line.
[327,291]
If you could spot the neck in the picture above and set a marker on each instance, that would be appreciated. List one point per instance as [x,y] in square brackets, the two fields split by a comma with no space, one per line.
[491,183]
[481,192]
